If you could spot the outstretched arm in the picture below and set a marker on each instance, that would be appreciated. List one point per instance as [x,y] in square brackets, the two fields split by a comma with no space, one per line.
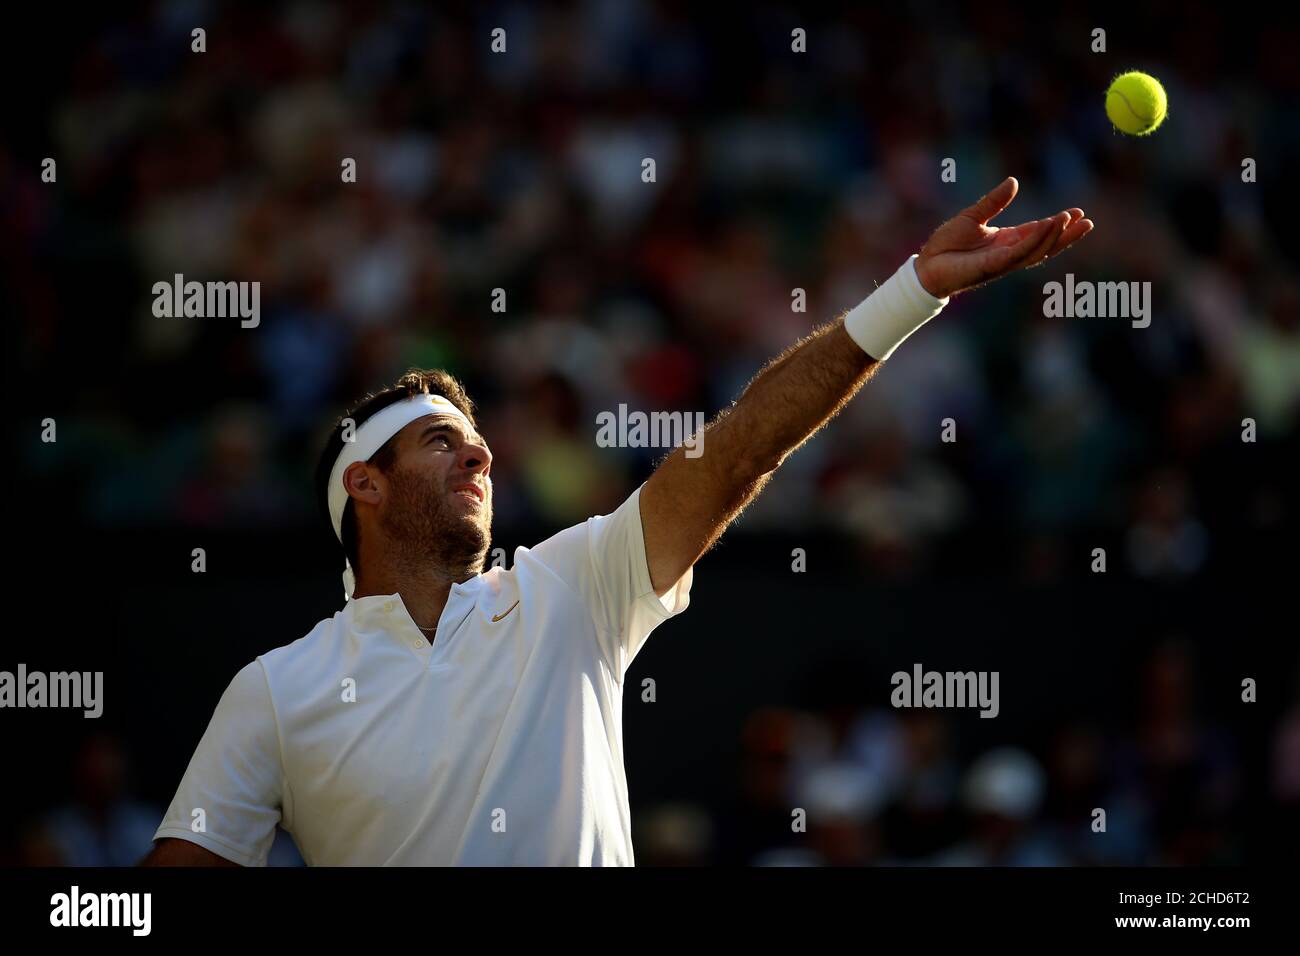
[688,502]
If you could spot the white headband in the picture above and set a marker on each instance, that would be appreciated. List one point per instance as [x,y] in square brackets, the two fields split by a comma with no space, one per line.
[374,432]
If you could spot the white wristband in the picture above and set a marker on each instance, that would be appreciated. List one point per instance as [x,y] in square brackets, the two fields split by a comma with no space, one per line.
[881,321]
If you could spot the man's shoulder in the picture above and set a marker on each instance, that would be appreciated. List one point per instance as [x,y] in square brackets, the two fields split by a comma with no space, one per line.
[555,559]
[305,652]
[572,545]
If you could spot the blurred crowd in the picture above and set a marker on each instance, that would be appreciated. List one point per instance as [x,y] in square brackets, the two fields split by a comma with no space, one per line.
[774,171]
[843,786]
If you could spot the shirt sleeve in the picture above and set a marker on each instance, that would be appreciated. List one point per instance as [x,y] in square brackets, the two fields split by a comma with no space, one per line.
[234,777]
[604,561]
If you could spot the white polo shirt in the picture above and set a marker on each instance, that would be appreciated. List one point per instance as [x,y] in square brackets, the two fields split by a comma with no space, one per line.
[500,744]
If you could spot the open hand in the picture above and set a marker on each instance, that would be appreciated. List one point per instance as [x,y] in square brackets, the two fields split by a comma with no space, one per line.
[966,252]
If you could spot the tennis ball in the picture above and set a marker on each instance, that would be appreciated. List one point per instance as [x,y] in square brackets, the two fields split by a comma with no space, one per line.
[1136,103]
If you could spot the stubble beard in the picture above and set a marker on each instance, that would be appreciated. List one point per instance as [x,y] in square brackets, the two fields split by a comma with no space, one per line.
[424,532]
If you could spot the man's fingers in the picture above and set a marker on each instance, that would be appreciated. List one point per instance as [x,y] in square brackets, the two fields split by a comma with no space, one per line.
[1075,231]
[1029,250]
[1028,244]
[1071,233]
[1006,258]
[1016,236]
[1059,223]
[994,201]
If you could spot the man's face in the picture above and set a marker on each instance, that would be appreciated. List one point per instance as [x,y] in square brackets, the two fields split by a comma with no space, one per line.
[438,496]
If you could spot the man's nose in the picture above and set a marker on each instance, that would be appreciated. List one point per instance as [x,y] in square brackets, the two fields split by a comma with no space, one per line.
[476,458]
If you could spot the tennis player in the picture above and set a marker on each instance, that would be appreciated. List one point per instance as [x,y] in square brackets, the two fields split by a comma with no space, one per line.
[451,715]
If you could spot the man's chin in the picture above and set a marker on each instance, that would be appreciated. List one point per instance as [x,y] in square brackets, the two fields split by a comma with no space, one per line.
[474,531]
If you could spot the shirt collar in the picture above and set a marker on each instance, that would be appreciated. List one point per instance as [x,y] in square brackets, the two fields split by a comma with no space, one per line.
[384,610]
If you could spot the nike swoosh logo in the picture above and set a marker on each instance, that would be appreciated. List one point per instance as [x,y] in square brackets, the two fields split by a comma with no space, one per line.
[498,617]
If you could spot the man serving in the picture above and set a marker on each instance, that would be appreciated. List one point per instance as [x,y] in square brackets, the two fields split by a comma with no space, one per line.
[452,716]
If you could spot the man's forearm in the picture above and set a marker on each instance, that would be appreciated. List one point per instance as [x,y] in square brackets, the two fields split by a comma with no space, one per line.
[688,502]
[788,402]
[804,388]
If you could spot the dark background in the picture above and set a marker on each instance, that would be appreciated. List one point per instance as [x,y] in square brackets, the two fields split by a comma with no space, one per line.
[775,171]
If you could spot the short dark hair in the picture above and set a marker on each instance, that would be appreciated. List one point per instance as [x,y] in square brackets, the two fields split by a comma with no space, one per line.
[434,381]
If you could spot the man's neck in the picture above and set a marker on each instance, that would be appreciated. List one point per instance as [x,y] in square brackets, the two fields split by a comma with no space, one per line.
[424,591]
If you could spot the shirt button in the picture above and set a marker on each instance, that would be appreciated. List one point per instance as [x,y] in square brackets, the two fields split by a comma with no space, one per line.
[417,644]
[388,607]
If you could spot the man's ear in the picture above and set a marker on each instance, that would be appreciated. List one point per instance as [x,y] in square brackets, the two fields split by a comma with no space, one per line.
[362,483]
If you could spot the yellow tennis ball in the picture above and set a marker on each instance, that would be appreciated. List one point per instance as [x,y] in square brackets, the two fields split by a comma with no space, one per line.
[1136,103]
